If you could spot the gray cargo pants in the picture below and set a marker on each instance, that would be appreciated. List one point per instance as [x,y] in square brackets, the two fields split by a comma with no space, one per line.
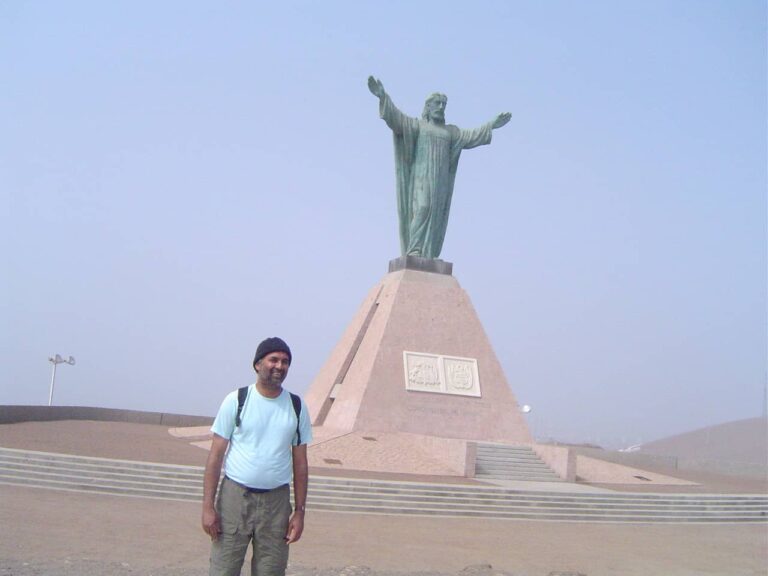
[247,516]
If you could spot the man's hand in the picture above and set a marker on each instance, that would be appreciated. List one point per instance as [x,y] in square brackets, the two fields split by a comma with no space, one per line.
[295,527]
[211,523]
[376,87]
[501,119]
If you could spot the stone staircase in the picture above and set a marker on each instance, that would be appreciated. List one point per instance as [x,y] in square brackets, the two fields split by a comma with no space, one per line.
[505,462]
[164,481]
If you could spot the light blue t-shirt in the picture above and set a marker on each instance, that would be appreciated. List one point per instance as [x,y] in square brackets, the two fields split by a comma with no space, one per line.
[259,453]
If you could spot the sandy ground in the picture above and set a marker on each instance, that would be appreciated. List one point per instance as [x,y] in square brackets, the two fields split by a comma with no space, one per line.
[56,533]
[52,530]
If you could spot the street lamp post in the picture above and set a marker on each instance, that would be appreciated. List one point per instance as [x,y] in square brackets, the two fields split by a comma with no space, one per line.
[56,360]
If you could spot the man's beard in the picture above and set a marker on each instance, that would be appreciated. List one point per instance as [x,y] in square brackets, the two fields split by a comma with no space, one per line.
[274,378]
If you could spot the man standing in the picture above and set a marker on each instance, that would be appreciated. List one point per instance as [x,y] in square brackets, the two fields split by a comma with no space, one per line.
[427,154]
[263,432]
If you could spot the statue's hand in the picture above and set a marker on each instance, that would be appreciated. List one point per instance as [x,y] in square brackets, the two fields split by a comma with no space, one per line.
[375,86]
[501,119]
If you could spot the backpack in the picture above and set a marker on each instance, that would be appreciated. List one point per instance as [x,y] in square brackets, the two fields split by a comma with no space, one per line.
[242,394]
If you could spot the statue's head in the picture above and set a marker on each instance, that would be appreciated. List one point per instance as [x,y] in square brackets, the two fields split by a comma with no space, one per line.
[434,108]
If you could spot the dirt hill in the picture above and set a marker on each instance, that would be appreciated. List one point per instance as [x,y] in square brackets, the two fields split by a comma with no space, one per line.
[739,441]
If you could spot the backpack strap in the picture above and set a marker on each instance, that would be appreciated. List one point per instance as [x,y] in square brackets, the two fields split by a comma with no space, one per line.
[242,394]
[297,408]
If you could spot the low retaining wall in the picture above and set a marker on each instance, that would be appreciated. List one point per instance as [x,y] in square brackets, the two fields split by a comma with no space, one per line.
[561,459]
[13,414]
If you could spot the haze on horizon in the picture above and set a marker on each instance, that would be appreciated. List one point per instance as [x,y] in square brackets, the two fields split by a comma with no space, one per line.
[182,179]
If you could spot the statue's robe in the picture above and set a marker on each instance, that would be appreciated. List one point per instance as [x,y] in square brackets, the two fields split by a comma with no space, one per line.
[426,158]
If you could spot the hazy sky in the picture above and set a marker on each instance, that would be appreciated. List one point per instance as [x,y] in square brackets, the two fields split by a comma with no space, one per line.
[182,179]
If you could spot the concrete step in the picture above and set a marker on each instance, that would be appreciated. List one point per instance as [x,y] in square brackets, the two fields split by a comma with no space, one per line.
[96,464]
[501,470]
[517,478]
[62,476]
[484,467]
[565,515]
[526,502]
[534,466]
[506,459]
[544,500]
[116,474]
[451,508]
[153,480]
[485,448]
[195,473]
[515,463]
[491,450]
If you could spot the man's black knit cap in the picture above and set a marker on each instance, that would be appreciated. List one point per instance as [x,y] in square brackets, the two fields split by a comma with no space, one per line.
[270,345]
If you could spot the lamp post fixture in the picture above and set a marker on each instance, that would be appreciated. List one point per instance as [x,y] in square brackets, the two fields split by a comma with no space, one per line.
[526,409]
[56,360]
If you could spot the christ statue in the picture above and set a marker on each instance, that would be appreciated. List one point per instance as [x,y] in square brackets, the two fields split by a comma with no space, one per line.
[426,157]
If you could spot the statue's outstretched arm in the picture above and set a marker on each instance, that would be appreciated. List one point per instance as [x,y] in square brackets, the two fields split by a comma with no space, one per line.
[471,138]
[395,119]
[501,120]
[376,87]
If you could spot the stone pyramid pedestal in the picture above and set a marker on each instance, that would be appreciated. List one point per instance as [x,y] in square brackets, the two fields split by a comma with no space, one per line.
[413,384]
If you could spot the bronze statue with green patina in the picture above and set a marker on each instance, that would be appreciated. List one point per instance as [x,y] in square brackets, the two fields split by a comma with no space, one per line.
[426,157]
